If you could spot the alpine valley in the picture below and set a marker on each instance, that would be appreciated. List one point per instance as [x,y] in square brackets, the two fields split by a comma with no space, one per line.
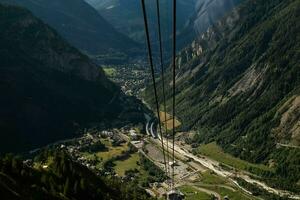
[80,119]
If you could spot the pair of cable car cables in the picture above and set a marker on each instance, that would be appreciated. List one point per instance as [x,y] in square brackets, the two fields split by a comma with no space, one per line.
[167,169]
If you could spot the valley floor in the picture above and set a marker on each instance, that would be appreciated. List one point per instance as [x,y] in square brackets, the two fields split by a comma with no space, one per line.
[190,167]
[199,174]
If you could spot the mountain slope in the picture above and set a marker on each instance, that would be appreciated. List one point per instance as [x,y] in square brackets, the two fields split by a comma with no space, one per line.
[80,24]
[193,18]
[63,179]
[49,90]
[239,85]
[207,13]
[126,15]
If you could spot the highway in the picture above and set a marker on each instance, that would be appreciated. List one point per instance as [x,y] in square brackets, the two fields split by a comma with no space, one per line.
[214,166]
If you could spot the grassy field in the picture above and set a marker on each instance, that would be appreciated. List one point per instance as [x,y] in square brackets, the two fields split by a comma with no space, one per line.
[220,185]
[123,165]
[168,121]
[39,165]
[109,153]
[213,151]
[109,71]
[209,177]
[233,195]
[193,194]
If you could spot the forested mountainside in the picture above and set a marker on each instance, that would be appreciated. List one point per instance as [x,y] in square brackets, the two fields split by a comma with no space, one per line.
[80,24]
[49,90]
[63,179]
[239,85]
[127,16]
[206,14]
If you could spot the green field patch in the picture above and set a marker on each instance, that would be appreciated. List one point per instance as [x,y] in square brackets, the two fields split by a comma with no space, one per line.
[109,71]
[112,152]
[193,194]
[215,152]
[43,165]
[130,163]
[106,142]
[210,177]
[232,195]
[109,153]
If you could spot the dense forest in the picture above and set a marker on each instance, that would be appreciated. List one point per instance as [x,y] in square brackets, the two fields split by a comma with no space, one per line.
[239,85]
[62,179]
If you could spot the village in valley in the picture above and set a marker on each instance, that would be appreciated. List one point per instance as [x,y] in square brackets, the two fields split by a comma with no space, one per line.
[133,155]
[132,78]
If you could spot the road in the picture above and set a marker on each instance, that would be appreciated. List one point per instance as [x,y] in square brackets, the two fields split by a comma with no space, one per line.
[53,144]
[214,166]
[288,146]
[148,118]
[151,128]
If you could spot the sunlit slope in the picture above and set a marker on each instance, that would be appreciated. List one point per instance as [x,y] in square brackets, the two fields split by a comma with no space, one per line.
[206,13]
[62,179]
[239,84]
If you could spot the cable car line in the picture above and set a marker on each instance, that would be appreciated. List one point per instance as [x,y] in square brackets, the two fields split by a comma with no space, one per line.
[153,77]
[163,81]
[174,86]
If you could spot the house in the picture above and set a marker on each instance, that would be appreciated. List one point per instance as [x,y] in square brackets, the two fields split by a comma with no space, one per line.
[106,134]
[28,162]
[172,164]
[133,135]
[45,166]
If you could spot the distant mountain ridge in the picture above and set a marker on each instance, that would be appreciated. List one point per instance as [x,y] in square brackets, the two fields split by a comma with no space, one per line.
[126,15]
[103,4]
[80,24]
[209,12]
[49,90]
[193,18]
[206,14]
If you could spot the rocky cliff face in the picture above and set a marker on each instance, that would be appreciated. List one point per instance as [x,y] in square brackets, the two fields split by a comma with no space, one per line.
[288,130]
[49,90]
[206,14]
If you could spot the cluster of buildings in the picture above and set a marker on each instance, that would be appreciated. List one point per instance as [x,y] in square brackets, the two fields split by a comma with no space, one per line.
[131,78]
[84,143]
[90,140]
